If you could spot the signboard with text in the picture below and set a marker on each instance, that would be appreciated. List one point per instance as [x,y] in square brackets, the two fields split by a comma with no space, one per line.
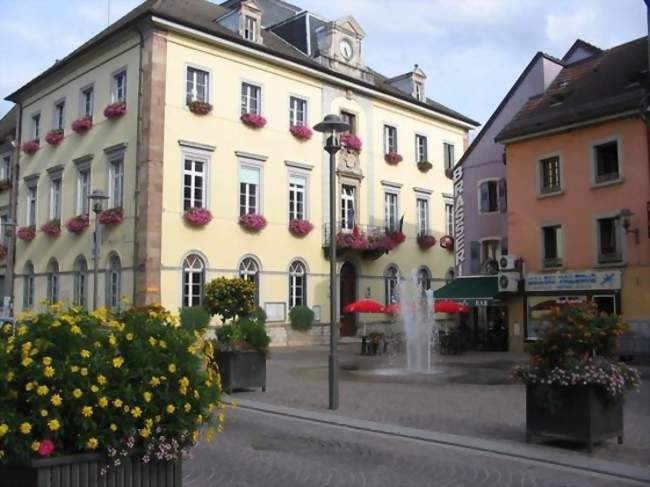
[574,281]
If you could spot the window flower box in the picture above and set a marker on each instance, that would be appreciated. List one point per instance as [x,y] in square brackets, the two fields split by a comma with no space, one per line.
[54,137]
[82,125]
[26,233]
[393,158]
[426,241]
[351,142]
[253,120]
[300,228]
[447,242]
[198,217]
[115,110]
[52,228]
[301,132]
[354,240]
[396,237]
[199,107]
[252,222]
[77,224]
[31,147]
[112,216]
[449,172]
[5,184]
[3,252]
[425,166]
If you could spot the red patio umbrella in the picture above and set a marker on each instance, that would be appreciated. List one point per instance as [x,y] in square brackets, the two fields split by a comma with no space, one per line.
[392,309]
[364,306]
[449,306]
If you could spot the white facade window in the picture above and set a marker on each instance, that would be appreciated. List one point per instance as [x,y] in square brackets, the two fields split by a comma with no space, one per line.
[449,219]
[53,282]
[83,187]
[251,99]
[5,168]
[194,183]
[250,270]
[81,282]
[421,148]
[550,178]
[297,197]
[423,216]
[552,249]
[250,28]
[59,115]
[490,250]
[113,282]
[193,280]
[31,206]
[28,286]
[449,155]
[609,240]
[198,85]
[87,102]
[297,284]
[391,216]
[348,207]
[424,279]
[606,162]
[116,183]
[55,199]
[489,196]
[249,190]
[36,127]
[391,284]
[118,87]
[390,139]
[297,111]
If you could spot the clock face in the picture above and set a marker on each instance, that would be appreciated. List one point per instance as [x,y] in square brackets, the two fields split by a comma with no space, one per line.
[346,49]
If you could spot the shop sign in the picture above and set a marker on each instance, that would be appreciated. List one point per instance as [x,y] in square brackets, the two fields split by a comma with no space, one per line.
[459,218]
[574,281]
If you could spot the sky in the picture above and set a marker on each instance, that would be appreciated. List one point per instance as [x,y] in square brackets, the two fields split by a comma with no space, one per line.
[472,51]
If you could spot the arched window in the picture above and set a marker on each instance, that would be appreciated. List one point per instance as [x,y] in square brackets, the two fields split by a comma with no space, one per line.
[450,275]
[113,281]
[249,269]
[28,286]
[81,282]
[297,284]
[391,283]
[424,279]
[193,280]
[53,281]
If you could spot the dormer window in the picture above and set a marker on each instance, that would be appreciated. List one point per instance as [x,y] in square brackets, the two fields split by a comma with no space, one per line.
[249,21]
[418,88]
[250,28]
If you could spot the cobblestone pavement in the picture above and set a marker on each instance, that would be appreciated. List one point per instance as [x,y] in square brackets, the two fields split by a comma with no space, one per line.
[261,450]
[471,395]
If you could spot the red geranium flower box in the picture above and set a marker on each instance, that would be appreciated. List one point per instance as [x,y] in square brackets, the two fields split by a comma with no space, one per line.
[393,158]
[77,224]
[112,216]
[301,132]
[253,120]
[52,228]
[351,142]
[447,242]
[200,107]
[115,110]
[26,233]
[426,241]
[54,137]
[198,217]
[30,147]
[300,228]
[252,222]
[82,125]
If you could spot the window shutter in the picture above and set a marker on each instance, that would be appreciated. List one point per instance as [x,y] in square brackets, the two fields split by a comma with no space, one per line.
[484,203]
[503,196]
[504,246]
[475,257]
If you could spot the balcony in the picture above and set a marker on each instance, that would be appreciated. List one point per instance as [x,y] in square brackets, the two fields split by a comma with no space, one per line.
[371,241]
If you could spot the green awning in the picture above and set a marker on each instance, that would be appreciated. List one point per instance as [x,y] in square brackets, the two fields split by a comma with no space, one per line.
[474,291]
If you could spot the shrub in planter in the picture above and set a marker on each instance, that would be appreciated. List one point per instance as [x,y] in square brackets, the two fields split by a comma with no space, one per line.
[351,142]
[301,132]
[424,166]
[68,386]
[77,224]
[26,233]
[194,318]
[393,158]
[112,216]
[200,107]
[447,242]
[82,125]
[198,217]
[253,120]
[229,298]
[300,228]
[252,222]
[52,228]
[115,110]
[54,137]
[301,318]
[31,147]
[426,241]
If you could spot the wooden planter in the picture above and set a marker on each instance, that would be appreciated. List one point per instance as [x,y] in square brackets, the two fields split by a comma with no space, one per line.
[83,470]
[241,370]
[577,413]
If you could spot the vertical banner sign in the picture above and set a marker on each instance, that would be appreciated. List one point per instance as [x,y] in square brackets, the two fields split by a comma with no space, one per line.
[459,215]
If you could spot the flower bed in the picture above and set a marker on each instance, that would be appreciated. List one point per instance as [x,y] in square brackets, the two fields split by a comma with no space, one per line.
[252,222]
[82,125]
[115,110]
[253,120]
[77,224]
[26,233]
[30,147]
[68,386]
[426,241]
[300,228]
[200,107]
[351,142]
[301,132]
[447,242]
[425,166]
[197,217]
[54,137]
[112,216]
[52,228]
[393,158]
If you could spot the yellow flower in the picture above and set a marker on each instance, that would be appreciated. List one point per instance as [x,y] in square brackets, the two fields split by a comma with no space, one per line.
[22,329]
[171,368]
[4,429]
[145,432]
[53,424]
[187,407]
[49,371]
[147,396]
[29,386]
[56,400]
[92,444]
[162,343]
[118,403]
[55,324]
[129,336]
[74,368]
[85,353]
[84,371]
[158,418]
[152,341]
[149,423]
[2,454]
[47,360]
[87,411]
[117,362]
[103,402]
[101,380]
[113,427]
[26,347]
[196,435]
[44,413]
[77,393]
[196,394]
[25,428]
[27,361]
[10,376]
[42,390]
[36,445]
[112,340]
[94,388]
[191,349]
[127,408]
[75,330]
[170,408]
[154,382]
[199,419]
[137,412]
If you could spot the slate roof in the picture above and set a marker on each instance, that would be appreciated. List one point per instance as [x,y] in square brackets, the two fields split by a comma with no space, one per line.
[8,124]
[610,83]
[200,15]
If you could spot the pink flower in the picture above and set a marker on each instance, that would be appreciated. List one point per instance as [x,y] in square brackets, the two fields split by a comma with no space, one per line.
[52,228]
[393,158]
[355,240]
[54,137]
[351,142]
[301,132]
[253,120]
[447,242]
[26,233]
[300,228]
[46,448]
[30,147]
[77,224]
[115,110]
[252,222]
[112,216]
[198,217]
[426,241]
[200,107]
[81,125]
[396,237]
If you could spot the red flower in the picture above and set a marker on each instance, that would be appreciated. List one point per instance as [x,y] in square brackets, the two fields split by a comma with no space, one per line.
[301,132]
[54,137]
[46,448]
[200,107]
[82,125]
[426,241]
[30,147]
[355,240]
[396,236]
[198,217]
[77,224]
[253,120]
[393,158]
[115,110]
[351,142]
[252,222]
[300,228]
[447,242]
[112,216]
[52,228]
[26,233]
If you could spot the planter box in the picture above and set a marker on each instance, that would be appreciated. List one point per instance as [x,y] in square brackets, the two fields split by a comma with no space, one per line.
[83,470]
[582,414]
[241,370]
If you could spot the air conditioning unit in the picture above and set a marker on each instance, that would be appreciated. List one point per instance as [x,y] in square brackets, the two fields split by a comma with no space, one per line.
[508,282]
[508,262]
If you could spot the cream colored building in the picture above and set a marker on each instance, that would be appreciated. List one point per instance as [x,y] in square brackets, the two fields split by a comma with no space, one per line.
[160,158]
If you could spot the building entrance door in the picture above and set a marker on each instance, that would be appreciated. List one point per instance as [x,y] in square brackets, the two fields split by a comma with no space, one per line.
[348,295]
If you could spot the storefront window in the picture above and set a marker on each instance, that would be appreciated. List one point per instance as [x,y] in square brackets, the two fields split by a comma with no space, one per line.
[540,307]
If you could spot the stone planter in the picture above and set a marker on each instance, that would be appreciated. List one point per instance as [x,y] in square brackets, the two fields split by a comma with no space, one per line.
[241,370]
[578,413]
[84,470]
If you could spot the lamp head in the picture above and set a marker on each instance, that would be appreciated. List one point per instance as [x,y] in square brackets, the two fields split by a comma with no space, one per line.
[332,124]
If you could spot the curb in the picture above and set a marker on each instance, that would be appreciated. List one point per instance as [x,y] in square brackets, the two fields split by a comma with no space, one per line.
[522,451]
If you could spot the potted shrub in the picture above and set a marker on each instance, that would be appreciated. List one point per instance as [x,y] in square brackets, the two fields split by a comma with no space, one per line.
[300,228]
[301,319]
[447,242]
[424,166]
[426,241]
[52,228]
[393,158]
[252,222]
[26,233]
[199,107]
[78,224]
[54,136]
[351,142]
[574,382]
[301,132]
[197,217]
[242,341]
[112,216]
[82,125]
[253,120]
[70,408]
[115,110]
[31,147]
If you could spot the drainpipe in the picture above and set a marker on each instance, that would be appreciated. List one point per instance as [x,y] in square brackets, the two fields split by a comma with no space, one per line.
[13,208]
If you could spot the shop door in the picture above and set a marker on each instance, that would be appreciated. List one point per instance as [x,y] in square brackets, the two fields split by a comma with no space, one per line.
[348,295]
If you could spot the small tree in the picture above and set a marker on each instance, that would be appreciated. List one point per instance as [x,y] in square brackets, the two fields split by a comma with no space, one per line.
[195,318]
[229,298]
[301,317]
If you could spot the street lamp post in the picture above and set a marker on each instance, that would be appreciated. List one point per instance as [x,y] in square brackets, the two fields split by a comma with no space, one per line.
[96,198]
[332,125]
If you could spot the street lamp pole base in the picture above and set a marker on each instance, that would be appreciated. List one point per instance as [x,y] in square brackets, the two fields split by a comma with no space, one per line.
[334,383]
